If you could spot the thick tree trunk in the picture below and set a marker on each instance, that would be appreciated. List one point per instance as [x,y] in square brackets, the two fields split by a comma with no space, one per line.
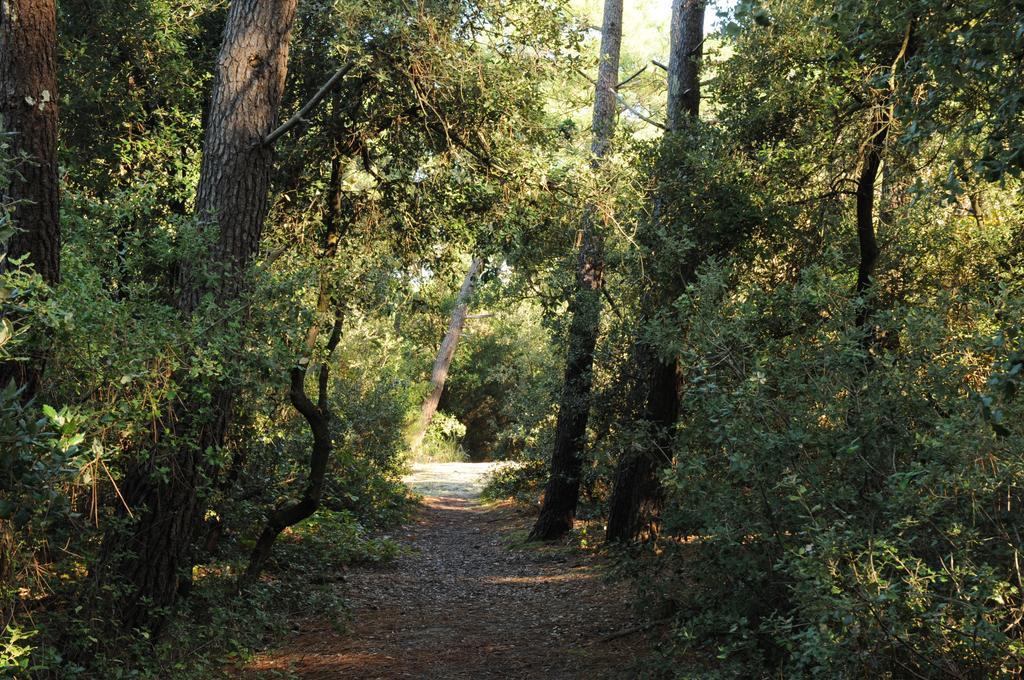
[28,107]
[235,174]
[636,493]
[445,354]
[563,489]
[685,55]
[231,199]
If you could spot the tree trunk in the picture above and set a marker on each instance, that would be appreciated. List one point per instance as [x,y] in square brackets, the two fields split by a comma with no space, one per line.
[636,492]
[685,55]
[881,122]
[8,557]
[235,174]
[865,215]
[563,489]
[231,199]
[28,107]
[317,415]
[439,374]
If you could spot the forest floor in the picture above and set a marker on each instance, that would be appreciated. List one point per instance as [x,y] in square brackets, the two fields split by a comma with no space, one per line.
[468,600]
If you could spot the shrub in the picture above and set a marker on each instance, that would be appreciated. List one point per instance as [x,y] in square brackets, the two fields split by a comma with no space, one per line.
[841,511]
[443,441]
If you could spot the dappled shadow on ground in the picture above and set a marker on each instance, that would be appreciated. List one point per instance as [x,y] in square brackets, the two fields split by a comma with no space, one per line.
[464,605]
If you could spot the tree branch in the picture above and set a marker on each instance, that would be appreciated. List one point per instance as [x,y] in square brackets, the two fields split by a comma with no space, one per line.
[630,79]
[646,119]
[623,106]
[611,302]
[308,106]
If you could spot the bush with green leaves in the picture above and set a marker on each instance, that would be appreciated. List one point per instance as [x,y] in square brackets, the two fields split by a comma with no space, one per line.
[503,378]
[443,441]
[847,510]
[42,463]
[521,481]
[843,498]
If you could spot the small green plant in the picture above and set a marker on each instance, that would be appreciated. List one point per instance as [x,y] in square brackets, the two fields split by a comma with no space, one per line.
[14,653]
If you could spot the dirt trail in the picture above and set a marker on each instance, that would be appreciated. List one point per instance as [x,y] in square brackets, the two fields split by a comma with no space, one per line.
[449,480]
[463,604]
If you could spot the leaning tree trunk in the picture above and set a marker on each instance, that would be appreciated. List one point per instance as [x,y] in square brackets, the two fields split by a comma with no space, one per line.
[232,200]
[28,107]
[445,354]
[318,415]
[636,493]
[563,489]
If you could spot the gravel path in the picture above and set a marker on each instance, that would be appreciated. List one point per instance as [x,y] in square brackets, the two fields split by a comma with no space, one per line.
[468,601]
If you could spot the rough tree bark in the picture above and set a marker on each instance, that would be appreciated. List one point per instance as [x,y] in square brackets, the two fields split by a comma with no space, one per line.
[443,362]
[685,55]
[154,554]
[636,493]
[235,174]
[563,488]
[28,107]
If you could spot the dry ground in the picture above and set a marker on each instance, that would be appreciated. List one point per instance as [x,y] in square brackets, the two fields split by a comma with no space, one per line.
[468,601]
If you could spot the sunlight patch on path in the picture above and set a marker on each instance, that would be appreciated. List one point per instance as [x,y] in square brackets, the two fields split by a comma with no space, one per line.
[449,480]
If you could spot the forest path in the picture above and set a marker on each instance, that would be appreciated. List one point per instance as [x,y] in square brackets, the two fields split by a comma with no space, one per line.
[468,601]
[449,480]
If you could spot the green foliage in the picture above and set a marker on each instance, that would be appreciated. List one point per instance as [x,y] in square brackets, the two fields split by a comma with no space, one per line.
[842,501]
[866,522]
[42,458]
[839,501]
[16,654]
[443,441]
[430,105]
[209,636]
[503,381]
[520,481]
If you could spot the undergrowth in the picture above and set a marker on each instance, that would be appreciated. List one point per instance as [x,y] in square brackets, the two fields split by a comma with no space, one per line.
[217,628]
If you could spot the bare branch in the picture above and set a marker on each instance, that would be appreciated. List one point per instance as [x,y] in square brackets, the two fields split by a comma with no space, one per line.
[641,116]
[630,79]
[623,106]
[308,106]
[663,67]
[646,119]
[611,302]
